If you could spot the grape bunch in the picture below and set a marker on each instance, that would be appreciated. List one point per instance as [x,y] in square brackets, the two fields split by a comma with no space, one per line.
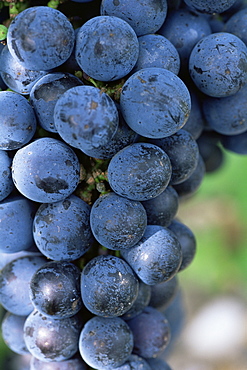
[112,113]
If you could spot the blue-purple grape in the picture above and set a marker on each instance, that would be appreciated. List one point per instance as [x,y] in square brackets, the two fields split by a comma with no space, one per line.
[46,170]
[40,38]
[140,171]
[62,230]
[105,343]
[55,289]
[116,222]
[155,95]
[109,286]
[156,257]
[96,51]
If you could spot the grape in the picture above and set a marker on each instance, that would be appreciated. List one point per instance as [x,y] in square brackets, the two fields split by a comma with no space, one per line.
[105,343]
[183,152]
[237,24]
[195,123]
[151,332]
[50,339]
[156,257]
[40,38]
[74,363]
[117,223]
[17,77]
[141,301]
[8,257]
[157,51]
[184,29]
[218,64]
[85,117]
[134,362]
[144,16]
[191,185]
[228,115]
[187,241]
[46,170]
[212,154]
[17,121]
[45,93]
[109,286]
[163,293]
[163,208]
[210,6]
[236,143]
[175,314]
[140,171]
[122,137]
[158,364]
[96,53]
[155,95]
[55,289]
[62,229]
[6,182]
[12,332]
[15,278]
[16,216]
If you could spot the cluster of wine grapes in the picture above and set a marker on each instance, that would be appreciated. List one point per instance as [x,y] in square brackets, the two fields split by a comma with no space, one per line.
[111,113]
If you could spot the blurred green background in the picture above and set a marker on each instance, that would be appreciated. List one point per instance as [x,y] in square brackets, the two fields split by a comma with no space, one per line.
[217,214]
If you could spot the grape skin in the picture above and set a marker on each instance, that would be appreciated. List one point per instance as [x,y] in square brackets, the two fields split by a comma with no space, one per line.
[46,170]
[157,96]
[140,171]
[62,230]
[109,286]
[41,38]
[116,222]
[116,341]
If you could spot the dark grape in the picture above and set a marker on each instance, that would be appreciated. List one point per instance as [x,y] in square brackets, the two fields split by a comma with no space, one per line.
[139,171]
[157,51]
[40,38]
[85,117]
[210,6]
[6,182]
[144,16]
[142,300]
[156,257]
[183,153]
[55,289]
[163,208]
[15,277]
[96,53]
[46,170]
[16,76]
[134,362]
[74,363]
[187,241]
[17,121]
[155,95]
[50,339]
[218,64]
[12,332]
[105,342]
[62,230]
[109,286]
[117,223]
[16,216]
[184,29]
[45,93]
[163,293]
[151,332]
